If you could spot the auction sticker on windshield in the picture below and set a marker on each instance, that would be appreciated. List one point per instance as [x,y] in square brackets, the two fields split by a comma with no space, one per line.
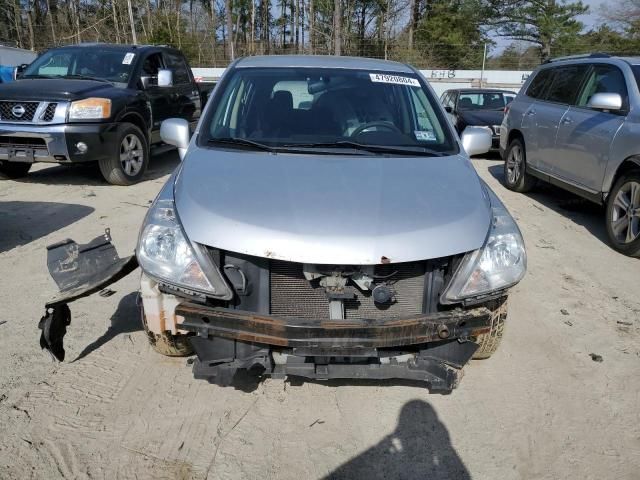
[395,79]
[128,58]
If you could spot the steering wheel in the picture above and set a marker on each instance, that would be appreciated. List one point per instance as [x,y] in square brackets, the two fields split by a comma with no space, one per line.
[378,124]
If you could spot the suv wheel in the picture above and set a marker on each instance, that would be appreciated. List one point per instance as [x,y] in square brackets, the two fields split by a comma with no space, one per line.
[623,214]
[13,169]
[129,162]
[490,341]
[515,168]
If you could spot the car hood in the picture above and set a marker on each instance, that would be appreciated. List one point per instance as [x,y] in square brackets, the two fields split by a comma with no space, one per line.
[482,117]
[52,89]
[325,209]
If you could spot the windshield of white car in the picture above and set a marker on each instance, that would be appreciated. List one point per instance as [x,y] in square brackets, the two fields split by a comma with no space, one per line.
[323,110]
[481,101]
[83,63]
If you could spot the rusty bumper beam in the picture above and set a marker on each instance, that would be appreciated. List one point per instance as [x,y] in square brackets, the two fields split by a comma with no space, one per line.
[290,332]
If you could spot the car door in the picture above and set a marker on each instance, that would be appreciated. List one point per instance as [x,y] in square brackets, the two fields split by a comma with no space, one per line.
[585,134]
[546,113]
[160,98]
[186,96]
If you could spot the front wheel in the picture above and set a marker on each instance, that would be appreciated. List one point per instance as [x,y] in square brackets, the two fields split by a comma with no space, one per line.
[129,162]
[10,170]
[515,168]
[623,214]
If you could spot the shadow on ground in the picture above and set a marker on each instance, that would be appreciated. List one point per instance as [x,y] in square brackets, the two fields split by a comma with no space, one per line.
[579,210]
[161,163]
[419,448]
[126,319]
[23,222]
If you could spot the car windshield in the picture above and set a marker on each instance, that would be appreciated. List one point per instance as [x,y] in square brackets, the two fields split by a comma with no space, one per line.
[324,109]
[481,101]
[113,65]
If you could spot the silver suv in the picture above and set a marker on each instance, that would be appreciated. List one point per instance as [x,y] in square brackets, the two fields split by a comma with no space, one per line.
[576,124]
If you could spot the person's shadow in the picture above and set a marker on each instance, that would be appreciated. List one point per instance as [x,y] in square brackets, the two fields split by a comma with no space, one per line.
[419,448]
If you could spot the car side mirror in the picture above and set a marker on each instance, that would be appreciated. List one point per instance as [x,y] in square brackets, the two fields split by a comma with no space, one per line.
[165,78]
[175,131]
[448,109]
[605,101]
[476,140]
[19,71]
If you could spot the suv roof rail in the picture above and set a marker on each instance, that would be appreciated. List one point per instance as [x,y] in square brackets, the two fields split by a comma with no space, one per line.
[582,55]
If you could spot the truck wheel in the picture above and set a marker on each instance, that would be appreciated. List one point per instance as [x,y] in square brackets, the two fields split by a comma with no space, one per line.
[623,214]
[166,343]
[489,342]
[13,169]
[129,162]
[515,168]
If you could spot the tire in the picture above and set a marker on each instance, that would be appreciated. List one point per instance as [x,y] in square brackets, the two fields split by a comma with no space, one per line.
[166,343]
[489,342]
[623,214]
[516,177]
[130,160]
[10,170]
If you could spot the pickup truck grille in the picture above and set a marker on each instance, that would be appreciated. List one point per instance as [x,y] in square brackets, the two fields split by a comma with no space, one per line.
[293,296]
[26,112]
[11,111]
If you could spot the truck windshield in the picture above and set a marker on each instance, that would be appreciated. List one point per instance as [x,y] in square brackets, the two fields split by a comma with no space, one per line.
[272,108]
[113,65]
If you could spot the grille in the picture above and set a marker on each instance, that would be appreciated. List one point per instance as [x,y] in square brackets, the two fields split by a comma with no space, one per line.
[6,111]
[11,141]
[292,295]
[49,112]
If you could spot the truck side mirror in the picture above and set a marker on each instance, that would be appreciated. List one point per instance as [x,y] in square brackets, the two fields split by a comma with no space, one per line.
[19,71]
[165,78]
[175,131]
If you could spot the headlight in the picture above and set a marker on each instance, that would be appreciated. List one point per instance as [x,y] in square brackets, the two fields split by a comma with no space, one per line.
[90,109]
[499,264]
[164,252]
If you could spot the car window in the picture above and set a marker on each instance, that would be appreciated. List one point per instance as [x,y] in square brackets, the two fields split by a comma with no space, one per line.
[178,66]
[103,63]
[152,63]
[481,101]
[603,79]
[539,84]
[565,84]
[289,106]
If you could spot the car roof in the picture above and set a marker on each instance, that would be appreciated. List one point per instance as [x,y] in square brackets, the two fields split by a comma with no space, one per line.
[481,90]
[323,61]
[114,46]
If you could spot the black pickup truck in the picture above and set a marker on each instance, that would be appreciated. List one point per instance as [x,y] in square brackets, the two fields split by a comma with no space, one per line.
[95,103]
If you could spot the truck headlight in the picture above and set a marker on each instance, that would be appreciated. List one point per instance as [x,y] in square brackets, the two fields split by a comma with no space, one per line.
[90,109]
[165,253]
[498,265]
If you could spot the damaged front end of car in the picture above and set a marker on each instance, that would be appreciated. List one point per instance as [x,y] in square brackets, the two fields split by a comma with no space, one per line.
[419,320]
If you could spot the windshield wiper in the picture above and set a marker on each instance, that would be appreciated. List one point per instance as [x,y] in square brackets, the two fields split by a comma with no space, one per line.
[84,77]
[243,142]
[35,76]
[413,150]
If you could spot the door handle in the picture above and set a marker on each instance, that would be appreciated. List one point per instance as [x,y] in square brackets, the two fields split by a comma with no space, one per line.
[567,121]
[531,113]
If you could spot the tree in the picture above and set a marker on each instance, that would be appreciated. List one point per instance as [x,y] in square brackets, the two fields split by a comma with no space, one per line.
[546,23]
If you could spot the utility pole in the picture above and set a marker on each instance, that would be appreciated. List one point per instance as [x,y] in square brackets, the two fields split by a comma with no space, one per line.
[133,27]
[484,59]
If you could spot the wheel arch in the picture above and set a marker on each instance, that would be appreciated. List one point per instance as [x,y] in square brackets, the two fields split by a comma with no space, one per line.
[629,164]
[513,134]
[137,120]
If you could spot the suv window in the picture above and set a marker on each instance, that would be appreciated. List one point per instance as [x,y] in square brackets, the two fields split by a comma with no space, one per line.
[565,84]
[179,67]
[603,79]
[539,84]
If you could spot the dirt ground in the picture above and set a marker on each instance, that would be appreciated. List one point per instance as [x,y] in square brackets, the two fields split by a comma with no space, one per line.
[540,408]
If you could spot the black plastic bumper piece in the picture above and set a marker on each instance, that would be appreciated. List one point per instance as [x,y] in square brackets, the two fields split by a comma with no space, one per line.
[438,364]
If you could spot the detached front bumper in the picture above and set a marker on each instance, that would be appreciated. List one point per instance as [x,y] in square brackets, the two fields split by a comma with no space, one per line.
[57,143]
[432,348]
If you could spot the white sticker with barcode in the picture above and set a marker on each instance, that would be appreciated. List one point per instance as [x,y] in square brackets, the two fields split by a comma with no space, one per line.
[395,79]
[128,58]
